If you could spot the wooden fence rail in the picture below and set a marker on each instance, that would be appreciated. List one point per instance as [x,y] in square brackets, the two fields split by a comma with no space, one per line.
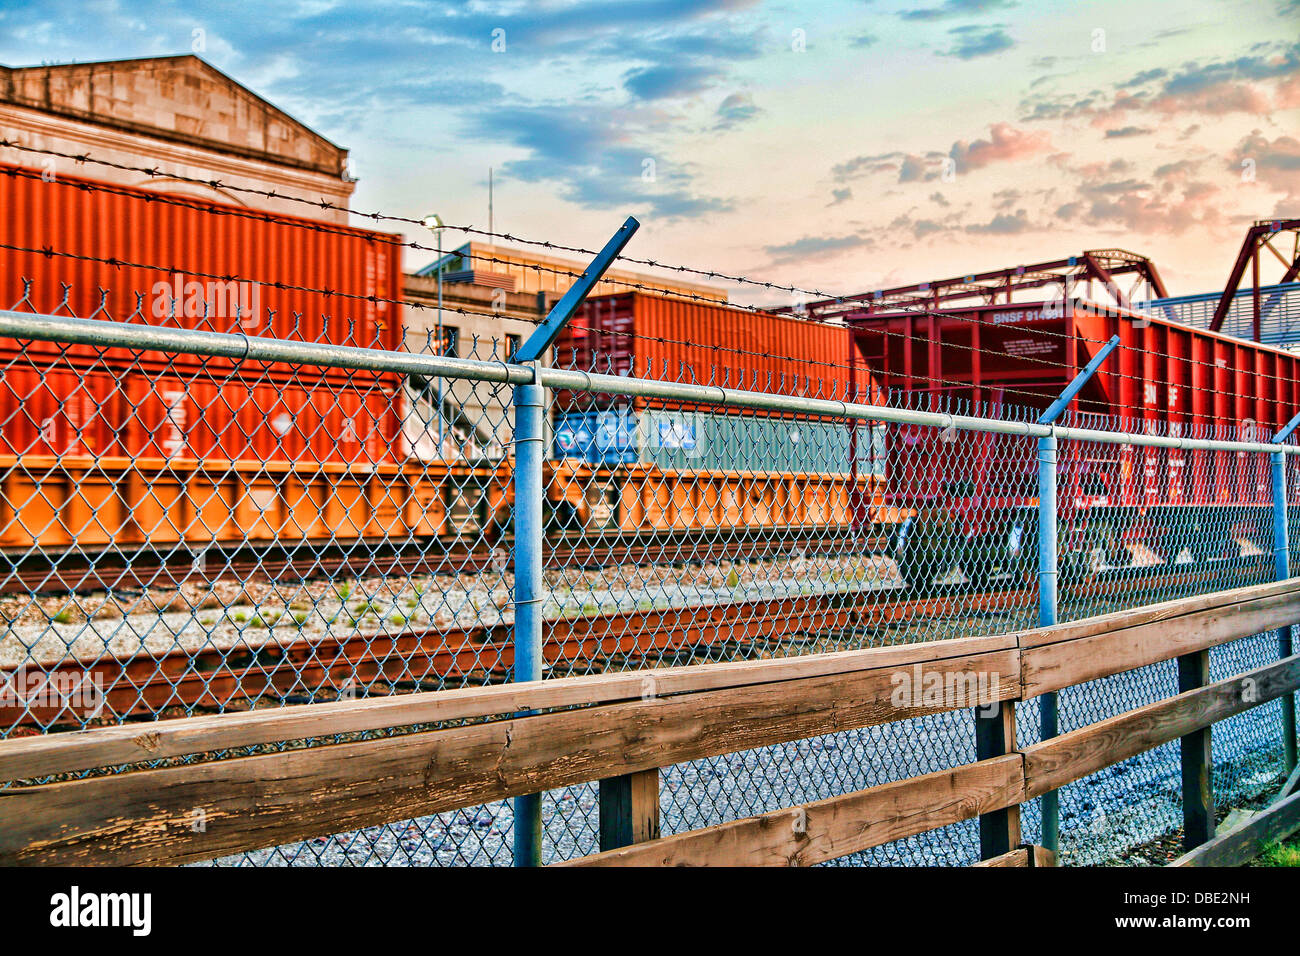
[467,747]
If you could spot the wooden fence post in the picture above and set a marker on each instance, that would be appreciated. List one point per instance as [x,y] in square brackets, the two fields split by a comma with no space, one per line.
[995,735]
[629,809]
[1196,758]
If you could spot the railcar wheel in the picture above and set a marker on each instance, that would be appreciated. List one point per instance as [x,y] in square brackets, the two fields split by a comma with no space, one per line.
[1079,564]
[930,547]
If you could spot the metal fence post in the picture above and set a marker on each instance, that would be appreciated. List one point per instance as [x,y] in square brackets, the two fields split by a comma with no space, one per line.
[1048,577]
[1047,583]
[529,433]
[529,407]
[1282,571]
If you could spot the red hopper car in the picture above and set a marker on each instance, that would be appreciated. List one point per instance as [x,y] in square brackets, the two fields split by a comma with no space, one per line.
[975,495]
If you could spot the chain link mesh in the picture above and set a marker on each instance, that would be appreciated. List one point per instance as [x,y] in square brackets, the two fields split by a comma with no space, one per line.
[185,535]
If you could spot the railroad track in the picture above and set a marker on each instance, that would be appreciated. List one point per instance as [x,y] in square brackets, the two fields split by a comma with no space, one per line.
[78,573]
[429,658]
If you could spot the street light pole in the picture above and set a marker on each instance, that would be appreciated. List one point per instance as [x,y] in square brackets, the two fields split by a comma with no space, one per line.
[433,222]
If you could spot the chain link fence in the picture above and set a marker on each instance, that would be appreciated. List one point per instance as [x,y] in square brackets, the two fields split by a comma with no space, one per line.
[195,522]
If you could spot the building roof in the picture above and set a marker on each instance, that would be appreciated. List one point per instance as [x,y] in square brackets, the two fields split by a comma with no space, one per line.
[534,272]
[177,98]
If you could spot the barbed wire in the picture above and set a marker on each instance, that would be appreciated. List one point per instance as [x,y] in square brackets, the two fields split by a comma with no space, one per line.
[50,252]
[933,380]
[641,287]
[323,204]
[390,239]
[116,262]
[264,216]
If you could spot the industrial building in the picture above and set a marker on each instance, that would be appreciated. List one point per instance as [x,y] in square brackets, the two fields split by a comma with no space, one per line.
[181,116]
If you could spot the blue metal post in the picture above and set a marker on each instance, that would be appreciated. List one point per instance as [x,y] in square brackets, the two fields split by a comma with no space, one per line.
[530,438]
[529,433]
[1048,577]
[1282,571]
[1047,582]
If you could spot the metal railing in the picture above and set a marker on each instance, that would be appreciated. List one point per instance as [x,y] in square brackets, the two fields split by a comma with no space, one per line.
[259,525]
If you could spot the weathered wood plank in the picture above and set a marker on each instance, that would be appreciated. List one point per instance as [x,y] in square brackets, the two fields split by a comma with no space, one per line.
[1021,856]
[1244,843]
[33,757]
[1057,665]
[23,758]
[1153,613]
[251,802]
[1053,763]
[836,826]
[1028,855]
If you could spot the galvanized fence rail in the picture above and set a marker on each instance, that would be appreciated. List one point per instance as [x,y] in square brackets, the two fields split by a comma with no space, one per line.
[199,521]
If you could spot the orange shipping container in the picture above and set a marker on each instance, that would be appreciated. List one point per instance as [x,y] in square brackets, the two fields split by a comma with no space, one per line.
[679,341]
[65,412]
[218,267]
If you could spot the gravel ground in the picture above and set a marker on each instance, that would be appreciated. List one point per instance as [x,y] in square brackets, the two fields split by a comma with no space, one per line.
[1168,847]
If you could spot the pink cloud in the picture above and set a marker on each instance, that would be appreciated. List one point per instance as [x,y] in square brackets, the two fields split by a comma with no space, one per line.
[1218,99]
[1254,85]
[1142,212]
[1006,143]
[1274,164]
[1288,92]
[1114,194]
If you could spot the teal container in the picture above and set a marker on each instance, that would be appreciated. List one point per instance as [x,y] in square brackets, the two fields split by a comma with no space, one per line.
[741,442]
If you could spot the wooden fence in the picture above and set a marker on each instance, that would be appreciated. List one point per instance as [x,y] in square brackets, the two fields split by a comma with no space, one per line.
[468,747]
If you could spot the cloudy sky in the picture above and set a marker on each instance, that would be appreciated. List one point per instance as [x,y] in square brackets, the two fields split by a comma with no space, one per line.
[841,145]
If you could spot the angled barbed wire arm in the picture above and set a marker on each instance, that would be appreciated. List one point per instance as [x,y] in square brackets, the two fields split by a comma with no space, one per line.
[539,343]
[1058,407]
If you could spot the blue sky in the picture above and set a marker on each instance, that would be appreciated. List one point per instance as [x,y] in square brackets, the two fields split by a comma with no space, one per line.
[842,145]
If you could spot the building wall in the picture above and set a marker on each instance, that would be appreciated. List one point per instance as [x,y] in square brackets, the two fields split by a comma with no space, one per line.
[178,115]
[476,416]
